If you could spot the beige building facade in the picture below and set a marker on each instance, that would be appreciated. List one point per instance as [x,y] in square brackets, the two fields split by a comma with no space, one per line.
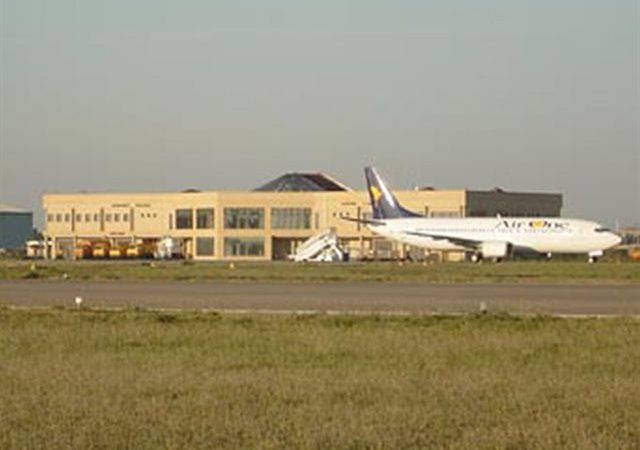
[256,225]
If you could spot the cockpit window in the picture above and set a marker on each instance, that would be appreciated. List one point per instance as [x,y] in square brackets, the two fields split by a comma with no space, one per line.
[602,230]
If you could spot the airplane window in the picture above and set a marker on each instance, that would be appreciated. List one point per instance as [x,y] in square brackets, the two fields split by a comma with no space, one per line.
[602,230]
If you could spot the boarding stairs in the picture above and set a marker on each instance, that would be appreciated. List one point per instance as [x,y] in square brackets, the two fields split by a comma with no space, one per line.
[323,247]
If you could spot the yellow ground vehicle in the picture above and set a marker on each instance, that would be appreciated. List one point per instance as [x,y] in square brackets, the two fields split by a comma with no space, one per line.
[634,253]
[132,251]
[142,248]
[114,253]
[101,250]
[82,250]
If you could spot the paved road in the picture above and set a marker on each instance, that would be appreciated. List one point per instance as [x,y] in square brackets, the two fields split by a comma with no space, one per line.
[374,297]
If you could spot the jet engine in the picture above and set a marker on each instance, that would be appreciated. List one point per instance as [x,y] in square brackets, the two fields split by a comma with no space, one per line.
[494,249]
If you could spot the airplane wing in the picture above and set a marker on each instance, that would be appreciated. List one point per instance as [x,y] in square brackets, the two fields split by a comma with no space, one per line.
[469,243]
[373,223]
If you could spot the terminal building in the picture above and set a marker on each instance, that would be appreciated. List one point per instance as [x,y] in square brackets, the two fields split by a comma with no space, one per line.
[265,224]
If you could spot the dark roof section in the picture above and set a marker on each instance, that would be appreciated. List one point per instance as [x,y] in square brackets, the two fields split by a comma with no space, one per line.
[303,182]
[10,209]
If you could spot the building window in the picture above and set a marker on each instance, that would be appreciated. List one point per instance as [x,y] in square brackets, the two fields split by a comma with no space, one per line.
[204,246]
[50,217]
[204,218]
[67,217]
[244,218]
[96,217]
[107,217]
[184,219]
[291,218]
[78,217]
[87,217]
[243,246]
[125,217]
[58,217]
[116,217]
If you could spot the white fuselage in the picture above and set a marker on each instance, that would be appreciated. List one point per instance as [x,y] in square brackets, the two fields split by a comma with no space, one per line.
[544,235]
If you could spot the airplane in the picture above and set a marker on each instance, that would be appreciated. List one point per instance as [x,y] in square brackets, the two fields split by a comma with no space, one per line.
[485,238]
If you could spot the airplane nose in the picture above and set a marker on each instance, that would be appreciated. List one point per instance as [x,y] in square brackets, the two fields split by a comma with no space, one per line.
[616,239]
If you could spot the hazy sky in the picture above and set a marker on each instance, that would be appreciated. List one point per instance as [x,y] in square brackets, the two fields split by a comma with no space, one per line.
[153,95]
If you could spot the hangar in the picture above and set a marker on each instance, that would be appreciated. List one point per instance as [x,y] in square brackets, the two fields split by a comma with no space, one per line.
[16,226]
[268,223]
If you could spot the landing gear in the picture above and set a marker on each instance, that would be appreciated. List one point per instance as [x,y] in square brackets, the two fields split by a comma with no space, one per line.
[476,257]
[594,256]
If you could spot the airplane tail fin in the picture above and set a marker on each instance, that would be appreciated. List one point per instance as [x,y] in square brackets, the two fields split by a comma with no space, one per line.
[383,202]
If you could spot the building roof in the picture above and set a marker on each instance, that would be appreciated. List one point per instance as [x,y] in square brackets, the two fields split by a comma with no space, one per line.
[6,208]
[303,182]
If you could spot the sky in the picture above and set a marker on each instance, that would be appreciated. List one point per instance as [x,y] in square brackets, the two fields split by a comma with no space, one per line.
[158,95]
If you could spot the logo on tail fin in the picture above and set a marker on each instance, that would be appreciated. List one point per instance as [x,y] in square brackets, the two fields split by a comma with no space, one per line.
[375,194]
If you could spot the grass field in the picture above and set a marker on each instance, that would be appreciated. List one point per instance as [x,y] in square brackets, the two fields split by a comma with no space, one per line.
[148,380]
[511,272]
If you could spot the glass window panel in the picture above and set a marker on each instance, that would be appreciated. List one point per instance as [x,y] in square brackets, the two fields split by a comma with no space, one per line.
[243,246]
[204,218]
[291,218]
[184,219]
[244,218]
[204,246]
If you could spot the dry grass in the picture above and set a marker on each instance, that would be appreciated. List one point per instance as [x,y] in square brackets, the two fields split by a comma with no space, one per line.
[511,272]
[90,379]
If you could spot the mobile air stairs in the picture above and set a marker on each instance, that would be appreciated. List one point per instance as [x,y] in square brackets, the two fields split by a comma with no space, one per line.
[323,247]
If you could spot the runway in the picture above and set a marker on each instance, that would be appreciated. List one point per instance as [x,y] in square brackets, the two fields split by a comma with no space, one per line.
[329,297]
